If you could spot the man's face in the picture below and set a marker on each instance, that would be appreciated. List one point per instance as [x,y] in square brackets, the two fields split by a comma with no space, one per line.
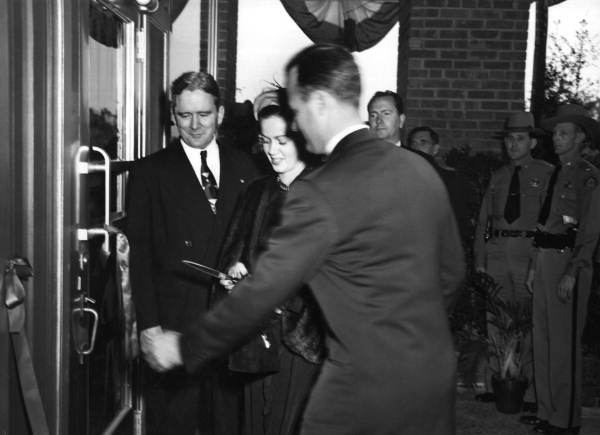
[305,114]
[518,145]
[197,117]
[566,138]
[422,141]
[385,120]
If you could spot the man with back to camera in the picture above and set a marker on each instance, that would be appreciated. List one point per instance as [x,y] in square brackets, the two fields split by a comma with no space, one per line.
[383,263]
[180,200]
[386,116]
[507,221]
[561,272]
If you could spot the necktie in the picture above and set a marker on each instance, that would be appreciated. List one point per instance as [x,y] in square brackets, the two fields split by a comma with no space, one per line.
[209,183]
[545,210]
[512,209]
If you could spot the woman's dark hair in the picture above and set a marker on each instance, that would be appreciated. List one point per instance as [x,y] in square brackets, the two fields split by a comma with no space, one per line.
[293,134]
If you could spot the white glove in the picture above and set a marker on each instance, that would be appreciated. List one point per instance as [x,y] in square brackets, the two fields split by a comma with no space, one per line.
[160,348]
[167,352]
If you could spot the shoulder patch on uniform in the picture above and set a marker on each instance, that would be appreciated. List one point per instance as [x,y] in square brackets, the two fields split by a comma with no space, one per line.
[590,182]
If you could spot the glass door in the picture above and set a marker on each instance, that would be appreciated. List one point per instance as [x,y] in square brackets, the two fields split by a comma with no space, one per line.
[104,364]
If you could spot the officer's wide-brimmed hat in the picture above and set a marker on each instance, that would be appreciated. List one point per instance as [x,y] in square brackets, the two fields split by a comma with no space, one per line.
[577,115]
[520,122]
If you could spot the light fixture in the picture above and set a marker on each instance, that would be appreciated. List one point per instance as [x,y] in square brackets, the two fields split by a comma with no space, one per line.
[147,6]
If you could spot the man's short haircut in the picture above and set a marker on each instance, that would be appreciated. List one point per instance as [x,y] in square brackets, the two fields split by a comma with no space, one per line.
[435,138]
[390,94]
[330,68]
[194,80]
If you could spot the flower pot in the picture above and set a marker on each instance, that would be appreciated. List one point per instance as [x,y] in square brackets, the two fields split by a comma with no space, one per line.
[509,393]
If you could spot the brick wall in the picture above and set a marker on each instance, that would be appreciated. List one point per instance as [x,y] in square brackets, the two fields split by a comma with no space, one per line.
[461,64]
[462,67]
[226,46]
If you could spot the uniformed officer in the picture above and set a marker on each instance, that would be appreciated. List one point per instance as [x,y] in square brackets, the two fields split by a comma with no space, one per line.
[508,218]
[561,273]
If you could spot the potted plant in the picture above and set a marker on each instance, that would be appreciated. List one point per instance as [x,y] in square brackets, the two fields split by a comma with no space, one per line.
[506,345]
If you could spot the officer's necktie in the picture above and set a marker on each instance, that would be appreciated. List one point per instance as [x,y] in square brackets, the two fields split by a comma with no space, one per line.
[209,183]
[545,210]
[512,208]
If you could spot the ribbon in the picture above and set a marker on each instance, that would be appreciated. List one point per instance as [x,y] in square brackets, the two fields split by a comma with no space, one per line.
[14,299]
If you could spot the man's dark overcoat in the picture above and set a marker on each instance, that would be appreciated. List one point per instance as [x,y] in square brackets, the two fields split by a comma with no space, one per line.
[170,219]
[373,234]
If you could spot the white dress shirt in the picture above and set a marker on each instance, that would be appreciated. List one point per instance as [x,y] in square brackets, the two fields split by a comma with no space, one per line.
[332,143]
[212,159]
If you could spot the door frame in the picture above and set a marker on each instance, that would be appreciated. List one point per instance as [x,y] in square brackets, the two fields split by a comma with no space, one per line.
[43,114]
[40,113]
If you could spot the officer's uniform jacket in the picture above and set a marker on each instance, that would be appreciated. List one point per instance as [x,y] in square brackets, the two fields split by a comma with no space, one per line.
[576,203]
[533,176]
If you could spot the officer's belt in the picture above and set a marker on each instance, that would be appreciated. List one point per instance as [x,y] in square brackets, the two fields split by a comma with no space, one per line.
[546,240]
[512,233]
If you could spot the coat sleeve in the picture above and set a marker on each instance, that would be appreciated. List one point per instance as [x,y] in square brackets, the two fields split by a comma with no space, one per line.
[589,226]
[295,251]
[139,232]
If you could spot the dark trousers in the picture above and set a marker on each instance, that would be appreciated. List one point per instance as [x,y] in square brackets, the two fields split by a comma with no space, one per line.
[172,401]
[207,403]
[557,331]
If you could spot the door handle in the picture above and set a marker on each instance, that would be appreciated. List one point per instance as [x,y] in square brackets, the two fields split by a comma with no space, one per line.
[85,167]
[84,345]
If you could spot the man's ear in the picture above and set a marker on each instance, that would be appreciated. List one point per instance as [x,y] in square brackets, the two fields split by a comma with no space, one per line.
[220,115]
[319,101]
[173,117]
[534,143]
[435,149]
[402,120]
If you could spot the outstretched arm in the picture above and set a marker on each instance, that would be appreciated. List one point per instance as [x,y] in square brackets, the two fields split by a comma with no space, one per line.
[295,251]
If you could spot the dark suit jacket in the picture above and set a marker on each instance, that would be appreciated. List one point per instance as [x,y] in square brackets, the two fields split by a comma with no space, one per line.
[373,234]
[461,194]
[169,219]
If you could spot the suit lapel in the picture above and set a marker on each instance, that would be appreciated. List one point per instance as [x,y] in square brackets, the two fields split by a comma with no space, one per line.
[186,192]
[231,182]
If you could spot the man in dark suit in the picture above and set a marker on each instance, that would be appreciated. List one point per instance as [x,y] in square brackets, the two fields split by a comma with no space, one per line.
[373,235]
[386,116]
[180,201]
[425,141]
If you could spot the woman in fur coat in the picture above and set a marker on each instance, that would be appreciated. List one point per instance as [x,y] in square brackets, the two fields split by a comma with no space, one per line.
[280,364]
